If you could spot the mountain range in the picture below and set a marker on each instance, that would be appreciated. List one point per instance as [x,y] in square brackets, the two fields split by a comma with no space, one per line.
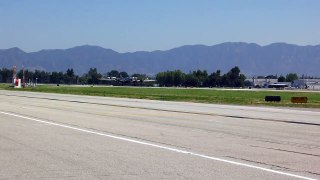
[253,59]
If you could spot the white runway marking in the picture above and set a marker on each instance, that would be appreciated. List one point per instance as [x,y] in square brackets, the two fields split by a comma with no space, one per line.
[159,146]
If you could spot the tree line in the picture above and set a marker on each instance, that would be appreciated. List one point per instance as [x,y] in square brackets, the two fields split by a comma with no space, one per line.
[200,78]
[68,77]
[289,77]
[38,76]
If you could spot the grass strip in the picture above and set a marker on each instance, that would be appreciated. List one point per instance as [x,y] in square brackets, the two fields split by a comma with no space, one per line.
[215,96]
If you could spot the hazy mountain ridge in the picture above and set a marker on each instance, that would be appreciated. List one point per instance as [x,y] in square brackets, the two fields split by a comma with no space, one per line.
[253,59]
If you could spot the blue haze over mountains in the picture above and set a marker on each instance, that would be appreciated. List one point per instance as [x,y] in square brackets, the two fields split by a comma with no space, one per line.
[277,58]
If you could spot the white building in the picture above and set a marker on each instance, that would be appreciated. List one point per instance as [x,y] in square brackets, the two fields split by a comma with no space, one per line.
[313,84]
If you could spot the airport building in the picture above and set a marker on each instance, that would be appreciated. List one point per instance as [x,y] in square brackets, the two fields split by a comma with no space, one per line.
[268,83]
[312,84]
[263,83]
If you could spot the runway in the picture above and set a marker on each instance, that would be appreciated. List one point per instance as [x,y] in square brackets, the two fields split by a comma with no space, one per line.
[52,136]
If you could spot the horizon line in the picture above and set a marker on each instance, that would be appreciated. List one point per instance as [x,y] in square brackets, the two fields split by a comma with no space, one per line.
[159,50]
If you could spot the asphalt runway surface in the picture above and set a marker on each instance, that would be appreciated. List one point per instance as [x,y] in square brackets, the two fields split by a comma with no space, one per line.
[52,136]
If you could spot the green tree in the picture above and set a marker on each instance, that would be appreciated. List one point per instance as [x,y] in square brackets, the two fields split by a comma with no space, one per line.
[6,75]
[178,78]
[225,81]
[56,77]
[84,79]
[114,73]
[70,72]
[291,77]
[123,74]
[281,79]
[69,77]
[234,75]
[160,77]
[191,80]
[170,78]
[93,76]
[202,76]
[41,76]
[214,79]
[233,78]
[241,80]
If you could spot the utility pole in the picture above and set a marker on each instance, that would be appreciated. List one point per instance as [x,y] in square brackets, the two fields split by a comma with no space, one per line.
[24,78]
[14,74]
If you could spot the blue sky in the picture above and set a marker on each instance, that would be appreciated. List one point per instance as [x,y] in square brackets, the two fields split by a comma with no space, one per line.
[134,25]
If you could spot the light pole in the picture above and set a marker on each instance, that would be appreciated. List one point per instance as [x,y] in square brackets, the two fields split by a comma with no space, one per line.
[36,81]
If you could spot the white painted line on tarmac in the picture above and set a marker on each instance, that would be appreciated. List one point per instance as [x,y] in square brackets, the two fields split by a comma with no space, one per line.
[158,146]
